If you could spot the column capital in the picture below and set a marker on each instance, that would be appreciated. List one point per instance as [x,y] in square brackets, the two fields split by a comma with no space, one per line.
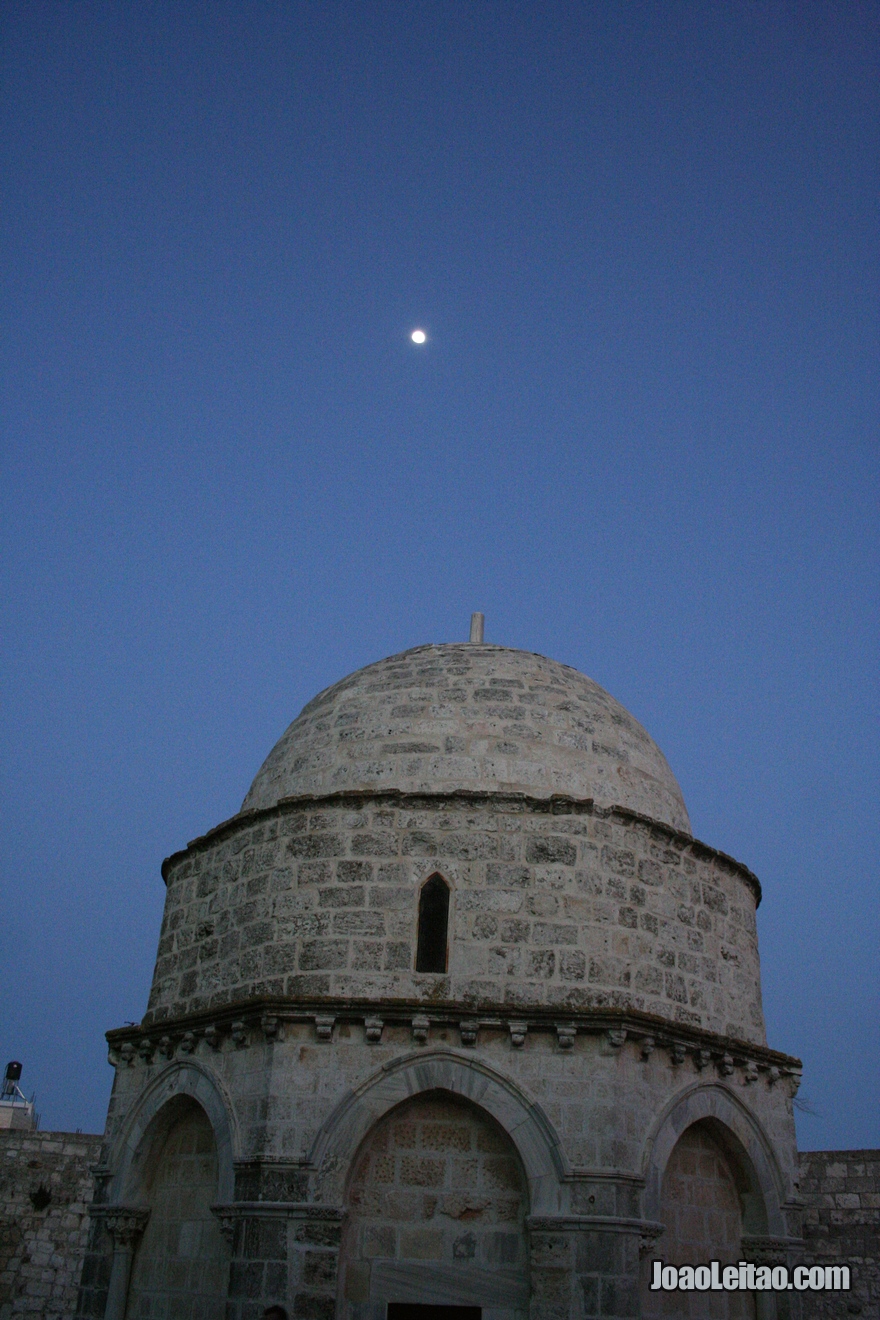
[124,1223]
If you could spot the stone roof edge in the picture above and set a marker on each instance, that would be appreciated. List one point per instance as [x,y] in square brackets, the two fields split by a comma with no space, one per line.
[556,803]
[859,1152]
[47,1134]
[638,1025]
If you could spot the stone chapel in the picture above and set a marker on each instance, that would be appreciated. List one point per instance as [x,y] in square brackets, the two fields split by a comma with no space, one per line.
[454,1013]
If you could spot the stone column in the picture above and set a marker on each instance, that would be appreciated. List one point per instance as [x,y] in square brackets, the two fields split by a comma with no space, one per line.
[586,1265]
[315,1236]
[766,1250]
[284,1252]
[125,1224]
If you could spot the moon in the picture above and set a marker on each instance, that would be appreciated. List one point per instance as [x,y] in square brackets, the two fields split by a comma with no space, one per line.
[418,337]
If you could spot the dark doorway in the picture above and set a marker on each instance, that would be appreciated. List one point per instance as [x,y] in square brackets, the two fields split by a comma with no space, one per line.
[406,1311]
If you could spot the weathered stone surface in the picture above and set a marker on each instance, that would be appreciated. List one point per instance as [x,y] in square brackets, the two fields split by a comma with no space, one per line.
[181,1264]
[42,1249]
[437,1210]
[702,1213]
[563,909]
[440,718]
[841,1192]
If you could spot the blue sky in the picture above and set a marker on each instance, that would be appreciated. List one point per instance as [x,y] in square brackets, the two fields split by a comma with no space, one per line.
[642,438]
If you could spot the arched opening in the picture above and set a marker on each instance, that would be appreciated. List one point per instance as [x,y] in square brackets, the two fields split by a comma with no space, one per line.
[182,1261]
[432,943]
[437,1204]
[707,1201]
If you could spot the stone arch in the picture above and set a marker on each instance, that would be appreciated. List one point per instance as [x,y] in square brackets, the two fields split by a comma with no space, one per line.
[525,1123]
[739,1134]
[150,1120]
[181,1262]
[436,1213]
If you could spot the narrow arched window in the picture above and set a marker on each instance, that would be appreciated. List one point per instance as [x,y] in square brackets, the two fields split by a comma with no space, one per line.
[433,923]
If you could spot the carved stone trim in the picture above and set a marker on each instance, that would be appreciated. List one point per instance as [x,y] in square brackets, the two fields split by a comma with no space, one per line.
[373,1027]
[124,1223]
[580,1173]
[469,1029]
[594,1223]
[616,1037]
[649,1236]
[184,1077]
[324,1023]
[518,1032]
[420,1028]
[565,1034]
[227,1220]
[232,1211]
[704,1099]
[704,1046]
[761,1249]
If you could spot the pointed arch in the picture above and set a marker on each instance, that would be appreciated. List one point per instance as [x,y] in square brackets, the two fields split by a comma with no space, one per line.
[436,1209]
[156,1110]
[181,1262]
[737,1130]
[523,1120]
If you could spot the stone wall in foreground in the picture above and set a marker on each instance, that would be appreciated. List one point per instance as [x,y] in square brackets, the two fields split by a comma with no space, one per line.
[841,1194]
[41,1249]
[45,1193]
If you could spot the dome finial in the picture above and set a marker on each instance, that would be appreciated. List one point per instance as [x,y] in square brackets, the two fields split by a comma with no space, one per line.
[477,621]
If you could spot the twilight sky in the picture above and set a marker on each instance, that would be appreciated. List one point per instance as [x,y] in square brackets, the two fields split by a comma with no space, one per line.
[642,438]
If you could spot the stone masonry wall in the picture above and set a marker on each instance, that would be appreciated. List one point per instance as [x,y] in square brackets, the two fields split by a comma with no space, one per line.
[45,1193]
[442,718]
[437,1196]
[841,1191]
[703,1221]
[601,1099]
[181,1266]
[552,904]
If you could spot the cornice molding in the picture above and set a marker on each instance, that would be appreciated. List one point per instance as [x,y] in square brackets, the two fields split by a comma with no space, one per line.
[261,1021]
[559,804]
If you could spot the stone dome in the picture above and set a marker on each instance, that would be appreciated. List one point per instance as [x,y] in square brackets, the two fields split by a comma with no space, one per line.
[471,716]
